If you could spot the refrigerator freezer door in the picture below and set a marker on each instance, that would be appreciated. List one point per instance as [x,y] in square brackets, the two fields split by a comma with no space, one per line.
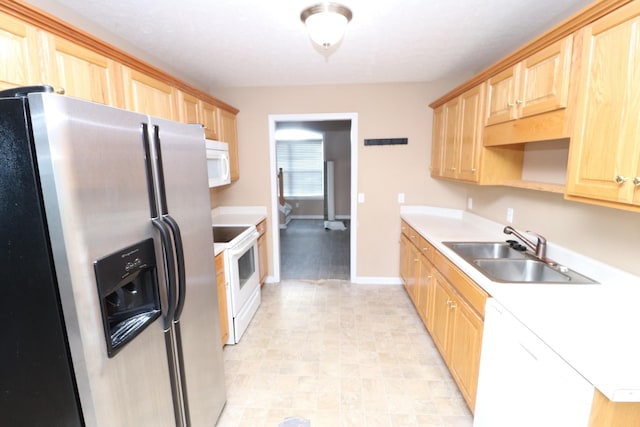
[36,376]
[91,163]
[188,203]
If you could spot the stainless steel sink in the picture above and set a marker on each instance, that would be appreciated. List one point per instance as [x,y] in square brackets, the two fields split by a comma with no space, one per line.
[527,271]
[499,262]
[491,250]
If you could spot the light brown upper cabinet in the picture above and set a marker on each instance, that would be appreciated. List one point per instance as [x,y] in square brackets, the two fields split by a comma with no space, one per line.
[538,84]
[604,156]
[462,135]
[457,150]
[19,54]
[527,102]
[469,144]
[147,95]
[189,108]
[450,137]
[228,133]
[437,142]
[209,120]
[83,73]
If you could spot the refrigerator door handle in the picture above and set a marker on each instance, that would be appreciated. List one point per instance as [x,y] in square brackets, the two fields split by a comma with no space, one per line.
[167,249]
[162,196]
[159,224]
[182,286]
[148,160]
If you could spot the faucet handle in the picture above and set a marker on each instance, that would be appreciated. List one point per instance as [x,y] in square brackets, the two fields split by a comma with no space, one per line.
[540,238]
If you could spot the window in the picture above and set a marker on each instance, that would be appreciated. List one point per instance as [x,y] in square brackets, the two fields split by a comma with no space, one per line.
[302,163]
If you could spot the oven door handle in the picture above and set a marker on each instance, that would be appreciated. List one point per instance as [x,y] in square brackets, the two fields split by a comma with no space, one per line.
[244,245]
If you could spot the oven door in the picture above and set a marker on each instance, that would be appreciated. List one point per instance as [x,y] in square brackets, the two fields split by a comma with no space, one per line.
[243,271]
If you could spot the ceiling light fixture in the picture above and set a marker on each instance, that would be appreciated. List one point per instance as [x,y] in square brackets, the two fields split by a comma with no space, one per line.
[326,22]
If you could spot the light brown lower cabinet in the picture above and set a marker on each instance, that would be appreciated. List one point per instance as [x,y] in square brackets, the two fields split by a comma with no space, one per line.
[452,308]
[262,250]
[448,305]
[222,297]
[457,332]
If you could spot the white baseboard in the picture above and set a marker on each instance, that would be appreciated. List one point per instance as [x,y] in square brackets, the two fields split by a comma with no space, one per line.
[318,216]
[393,281]
[307,216]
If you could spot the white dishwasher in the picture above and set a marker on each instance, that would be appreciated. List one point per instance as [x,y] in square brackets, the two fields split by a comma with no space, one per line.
[523,382]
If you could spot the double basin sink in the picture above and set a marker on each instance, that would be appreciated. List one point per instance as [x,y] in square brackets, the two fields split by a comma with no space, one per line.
[500,262]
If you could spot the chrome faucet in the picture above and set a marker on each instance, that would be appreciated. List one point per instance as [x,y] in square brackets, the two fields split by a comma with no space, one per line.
[540,247]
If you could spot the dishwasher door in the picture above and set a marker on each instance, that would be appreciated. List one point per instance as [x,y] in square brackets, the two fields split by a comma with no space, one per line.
[523,382]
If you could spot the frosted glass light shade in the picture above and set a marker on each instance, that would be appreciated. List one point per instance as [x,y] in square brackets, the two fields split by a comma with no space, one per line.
[326,23]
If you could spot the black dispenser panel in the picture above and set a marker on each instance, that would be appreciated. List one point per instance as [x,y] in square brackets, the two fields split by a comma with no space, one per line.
[128,292]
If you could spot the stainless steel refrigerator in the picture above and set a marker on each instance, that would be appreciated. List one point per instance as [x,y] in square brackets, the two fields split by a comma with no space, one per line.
[108,298]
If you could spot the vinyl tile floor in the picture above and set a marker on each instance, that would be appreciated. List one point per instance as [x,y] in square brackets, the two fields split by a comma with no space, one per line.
[338,354]
[308,251]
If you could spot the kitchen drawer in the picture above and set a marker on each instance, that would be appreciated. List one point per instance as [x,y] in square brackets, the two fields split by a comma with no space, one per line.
[469,290]
[412,234]
[426,248]
[404,228]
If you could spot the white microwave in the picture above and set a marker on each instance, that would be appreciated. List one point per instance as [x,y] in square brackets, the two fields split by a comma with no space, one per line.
[218,163]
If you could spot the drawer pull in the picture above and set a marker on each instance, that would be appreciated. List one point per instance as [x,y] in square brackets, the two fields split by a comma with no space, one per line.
[621,179]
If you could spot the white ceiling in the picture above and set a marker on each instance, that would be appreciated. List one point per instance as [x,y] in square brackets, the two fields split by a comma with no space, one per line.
[226,43]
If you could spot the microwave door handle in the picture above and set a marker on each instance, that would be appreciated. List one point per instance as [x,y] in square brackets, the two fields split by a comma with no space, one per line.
[226,167]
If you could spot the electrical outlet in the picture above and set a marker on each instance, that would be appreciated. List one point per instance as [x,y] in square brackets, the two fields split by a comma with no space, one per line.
[469,203]
[510,215]
[360,197]
[400,197]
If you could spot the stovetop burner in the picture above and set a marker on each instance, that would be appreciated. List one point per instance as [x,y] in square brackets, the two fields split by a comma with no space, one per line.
[225,234]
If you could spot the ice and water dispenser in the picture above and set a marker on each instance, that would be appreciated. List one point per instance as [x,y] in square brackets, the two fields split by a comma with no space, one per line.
[128,293]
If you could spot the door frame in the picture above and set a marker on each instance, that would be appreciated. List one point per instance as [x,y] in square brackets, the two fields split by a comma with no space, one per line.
[353,228]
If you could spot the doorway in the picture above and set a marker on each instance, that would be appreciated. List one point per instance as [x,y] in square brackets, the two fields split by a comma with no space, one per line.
[308,215]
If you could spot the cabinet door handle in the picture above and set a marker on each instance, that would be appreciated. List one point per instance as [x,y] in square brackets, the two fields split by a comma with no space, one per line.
[636,181]
[621,179]
[510,104]
[519,102]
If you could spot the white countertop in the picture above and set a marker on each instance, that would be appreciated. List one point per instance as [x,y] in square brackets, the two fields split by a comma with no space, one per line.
[236,216]
[594,328]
